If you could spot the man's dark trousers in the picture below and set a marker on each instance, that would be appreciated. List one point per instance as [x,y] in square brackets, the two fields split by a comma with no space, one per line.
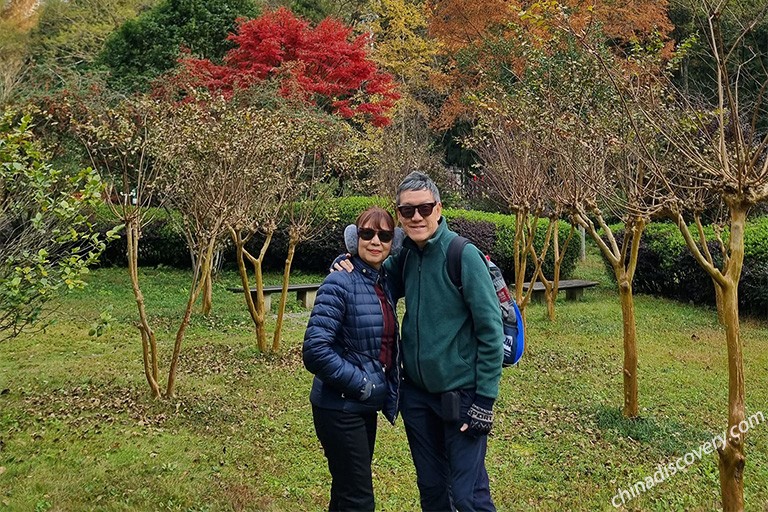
[450,464]
[348,440]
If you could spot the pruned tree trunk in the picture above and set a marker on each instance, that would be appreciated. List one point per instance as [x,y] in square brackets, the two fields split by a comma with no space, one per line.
[284,294]
[205,260]
[552,287]
[520,256]
[256,308]
[148,341]
[731,457]
[525,230]
[629,323]
[623,260]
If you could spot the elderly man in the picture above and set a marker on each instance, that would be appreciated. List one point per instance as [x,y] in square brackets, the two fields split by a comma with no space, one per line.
[452,351]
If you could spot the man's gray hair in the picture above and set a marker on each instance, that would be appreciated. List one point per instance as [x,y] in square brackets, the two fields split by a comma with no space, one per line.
[417,181]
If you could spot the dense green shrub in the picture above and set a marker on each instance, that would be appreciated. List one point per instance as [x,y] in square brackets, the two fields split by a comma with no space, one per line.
[667,268]
[163,243]
[492,233]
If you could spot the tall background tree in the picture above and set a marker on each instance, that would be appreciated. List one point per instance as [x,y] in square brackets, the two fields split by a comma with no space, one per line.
[70,34]
[402,47]
[479,38]
[323,65]
[716,131]
[149,45]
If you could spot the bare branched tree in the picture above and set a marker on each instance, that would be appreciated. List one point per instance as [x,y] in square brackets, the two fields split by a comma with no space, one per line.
[117,139]
[722,141]
[405,146]
[516,167]
[598,178]
[209,153]
[322,144]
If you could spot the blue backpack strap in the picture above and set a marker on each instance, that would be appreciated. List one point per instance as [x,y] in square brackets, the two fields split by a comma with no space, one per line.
[455,248]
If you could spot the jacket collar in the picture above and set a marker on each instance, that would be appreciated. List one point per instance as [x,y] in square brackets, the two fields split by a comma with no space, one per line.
[365,269]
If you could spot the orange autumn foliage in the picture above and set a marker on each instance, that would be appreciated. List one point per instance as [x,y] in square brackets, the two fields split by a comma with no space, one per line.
[468,25]
[460,23]
[22,14]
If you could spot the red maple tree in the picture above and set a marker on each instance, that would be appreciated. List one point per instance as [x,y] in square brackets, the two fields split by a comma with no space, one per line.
[322,64]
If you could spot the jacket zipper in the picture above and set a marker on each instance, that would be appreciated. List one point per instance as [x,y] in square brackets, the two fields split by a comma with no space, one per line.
[396,354]
[418,322]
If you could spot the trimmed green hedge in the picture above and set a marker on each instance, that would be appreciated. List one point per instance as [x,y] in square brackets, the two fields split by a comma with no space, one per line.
[162,242]
[667,268]
[493,233]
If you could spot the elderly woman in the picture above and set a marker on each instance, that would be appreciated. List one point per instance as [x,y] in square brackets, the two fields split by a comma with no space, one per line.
[351,345]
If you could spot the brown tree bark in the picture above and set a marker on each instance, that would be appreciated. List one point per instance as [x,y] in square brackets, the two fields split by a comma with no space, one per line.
[552,287]
[629,326]
[719,304]
[525,230]
[208,292]
[284,294]
[204,261]
[732,458]
[623,260]
[255,308]
[148,341]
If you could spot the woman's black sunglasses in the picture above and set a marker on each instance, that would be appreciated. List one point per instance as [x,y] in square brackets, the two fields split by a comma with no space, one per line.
[368,234]
[408,211]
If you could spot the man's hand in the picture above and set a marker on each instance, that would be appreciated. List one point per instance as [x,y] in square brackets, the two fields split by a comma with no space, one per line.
[479,420]
[343,264]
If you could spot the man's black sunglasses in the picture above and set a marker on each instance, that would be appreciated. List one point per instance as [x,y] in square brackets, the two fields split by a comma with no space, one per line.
[408,211]
[367,234]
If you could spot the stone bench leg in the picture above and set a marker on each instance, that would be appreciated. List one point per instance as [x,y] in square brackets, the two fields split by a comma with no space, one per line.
[267,299]
[574,293]
[538,296]
[307,298]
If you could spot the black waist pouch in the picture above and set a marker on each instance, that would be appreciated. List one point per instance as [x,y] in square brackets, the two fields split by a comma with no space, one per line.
[451,403]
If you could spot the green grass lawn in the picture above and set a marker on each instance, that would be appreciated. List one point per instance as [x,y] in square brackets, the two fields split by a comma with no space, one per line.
[79,431]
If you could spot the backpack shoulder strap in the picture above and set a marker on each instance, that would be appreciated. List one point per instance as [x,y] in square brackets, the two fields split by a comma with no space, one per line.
[455,249]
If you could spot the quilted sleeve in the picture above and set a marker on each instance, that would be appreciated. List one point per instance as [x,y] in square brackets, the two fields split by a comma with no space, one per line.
[323,349]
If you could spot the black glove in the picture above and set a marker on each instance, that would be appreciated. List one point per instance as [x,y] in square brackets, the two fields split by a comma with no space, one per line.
[480,417]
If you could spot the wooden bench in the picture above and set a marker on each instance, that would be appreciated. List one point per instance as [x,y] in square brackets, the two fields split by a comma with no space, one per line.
[574,289]
[305,293]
